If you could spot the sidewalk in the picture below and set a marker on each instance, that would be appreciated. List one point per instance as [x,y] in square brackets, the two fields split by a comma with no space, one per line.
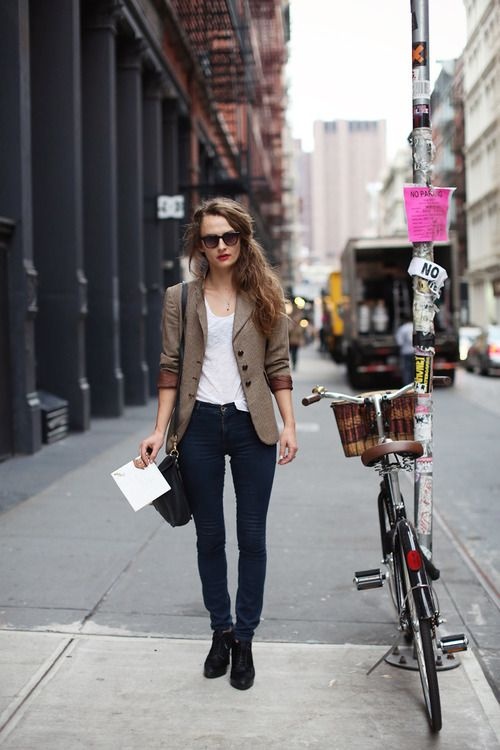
[103,635]
[109,692]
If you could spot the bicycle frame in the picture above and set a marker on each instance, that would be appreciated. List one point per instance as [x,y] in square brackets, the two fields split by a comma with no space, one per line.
[404,534]
[422,592]
[389,466]
[410,572]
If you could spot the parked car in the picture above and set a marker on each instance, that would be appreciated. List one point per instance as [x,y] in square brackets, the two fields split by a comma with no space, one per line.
[484,352]
[466,335]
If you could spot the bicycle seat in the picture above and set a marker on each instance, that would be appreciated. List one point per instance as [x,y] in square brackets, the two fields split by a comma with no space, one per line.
[409,448]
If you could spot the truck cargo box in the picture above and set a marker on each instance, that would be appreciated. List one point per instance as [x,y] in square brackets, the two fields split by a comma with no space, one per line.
[378,296]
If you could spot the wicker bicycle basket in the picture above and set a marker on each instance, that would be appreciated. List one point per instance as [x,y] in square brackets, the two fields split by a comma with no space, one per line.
[357,423]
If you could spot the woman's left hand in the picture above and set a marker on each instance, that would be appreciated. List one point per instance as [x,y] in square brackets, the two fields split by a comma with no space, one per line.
[287,445]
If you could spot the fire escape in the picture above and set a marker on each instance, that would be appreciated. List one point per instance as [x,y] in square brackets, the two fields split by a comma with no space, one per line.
[240,49]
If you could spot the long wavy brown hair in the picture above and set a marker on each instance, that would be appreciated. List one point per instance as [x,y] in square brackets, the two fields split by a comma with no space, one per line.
[252,271]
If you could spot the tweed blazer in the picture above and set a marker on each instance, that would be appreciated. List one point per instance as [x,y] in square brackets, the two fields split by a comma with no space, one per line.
[263,363]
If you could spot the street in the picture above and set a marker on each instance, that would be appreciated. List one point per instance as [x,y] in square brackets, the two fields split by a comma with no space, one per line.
[92,596]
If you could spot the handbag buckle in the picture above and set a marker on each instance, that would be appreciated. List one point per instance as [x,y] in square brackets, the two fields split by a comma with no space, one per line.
[174,450]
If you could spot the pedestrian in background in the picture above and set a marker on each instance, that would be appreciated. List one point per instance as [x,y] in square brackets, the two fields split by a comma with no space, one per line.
[236,356]
[404,339]
[296,337]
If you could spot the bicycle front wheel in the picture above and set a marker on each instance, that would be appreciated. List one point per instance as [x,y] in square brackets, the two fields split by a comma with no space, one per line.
[421,630]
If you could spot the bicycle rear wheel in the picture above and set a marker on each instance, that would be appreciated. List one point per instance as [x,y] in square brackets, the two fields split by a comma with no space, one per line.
[421,630]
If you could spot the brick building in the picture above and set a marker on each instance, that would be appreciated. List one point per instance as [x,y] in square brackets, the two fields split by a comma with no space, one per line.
[447,108]
[107,105]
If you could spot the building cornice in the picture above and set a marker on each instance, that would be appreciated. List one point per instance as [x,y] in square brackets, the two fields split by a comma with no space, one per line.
[490,128]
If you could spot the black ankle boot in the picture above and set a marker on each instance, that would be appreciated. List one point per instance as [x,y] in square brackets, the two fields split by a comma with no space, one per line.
[218,657]
[242,669]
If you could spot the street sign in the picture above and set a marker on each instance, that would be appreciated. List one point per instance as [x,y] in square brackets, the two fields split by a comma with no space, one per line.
[170,207]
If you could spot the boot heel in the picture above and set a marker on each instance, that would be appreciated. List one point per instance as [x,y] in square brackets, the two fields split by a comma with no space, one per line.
[242,669]
[217,661]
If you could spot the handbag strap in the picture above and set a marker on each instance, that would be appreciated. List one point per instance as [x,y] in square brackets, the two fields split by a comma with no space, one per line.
[175,417]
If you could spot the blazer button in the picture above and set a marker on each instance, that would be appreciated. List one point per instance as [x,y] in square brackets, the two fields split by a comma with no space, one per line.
[240,352]
[248,382]
[244,367]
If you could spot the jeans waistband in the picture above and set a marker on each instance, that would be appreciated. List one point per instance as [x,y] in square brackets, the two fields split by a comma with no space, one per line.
[216,408]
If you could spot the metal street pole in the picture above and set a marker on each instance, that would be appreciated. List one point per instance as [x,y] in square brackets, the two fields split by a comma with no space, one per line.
[423,297]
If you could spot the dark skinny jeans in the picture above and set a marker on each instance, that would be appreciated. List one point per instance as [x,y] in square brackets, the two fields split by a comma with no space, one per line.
[214,432]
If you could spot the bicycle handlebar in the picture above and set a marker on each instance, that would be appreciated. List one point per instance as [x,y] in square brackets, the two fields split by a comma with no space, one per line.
[320,392]
[308,400]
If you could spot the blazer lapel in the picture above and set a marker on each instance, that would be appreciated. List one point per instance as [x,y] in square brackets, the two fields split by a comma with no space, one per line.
[243,311]
[201,311]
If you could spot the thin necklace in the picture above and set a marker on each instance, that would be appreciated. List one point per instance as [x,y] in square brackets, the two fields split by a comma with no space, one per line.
[227,301]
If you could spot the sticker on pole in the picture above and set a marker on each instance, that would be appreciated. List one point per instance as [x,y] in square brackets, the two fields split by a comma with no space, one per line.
[422,373]
[419,54]
[427,213]
[434,274]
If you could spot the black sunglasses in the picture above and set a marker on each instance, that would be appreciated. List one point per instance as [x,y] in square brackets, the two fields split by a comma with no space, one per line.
[228,238]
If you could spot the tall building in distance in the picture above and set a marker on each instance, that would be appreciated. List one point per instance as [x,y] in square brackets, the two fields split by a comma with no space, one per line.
[348,160]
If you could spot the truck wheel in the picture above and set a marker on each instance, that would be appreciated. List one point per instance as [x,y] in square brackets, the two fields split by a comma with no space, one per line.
[357,381]
[447,373]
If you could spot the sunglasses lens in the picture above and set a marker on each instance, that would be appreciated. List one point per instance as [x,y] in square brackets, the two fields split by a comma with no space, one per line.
[230,238]
[210,241]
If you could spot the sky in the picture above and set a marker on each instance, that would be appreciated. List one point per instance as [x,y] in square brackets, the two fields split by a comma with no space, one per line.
[351,59]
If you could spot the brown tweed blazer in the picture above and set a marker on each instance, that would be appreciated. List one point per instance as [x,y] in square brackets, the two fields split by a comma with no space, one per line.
[263,363]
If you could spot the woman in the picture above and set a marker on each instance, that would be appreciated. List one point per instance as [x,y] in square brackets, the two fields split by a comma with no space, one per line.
[236,355]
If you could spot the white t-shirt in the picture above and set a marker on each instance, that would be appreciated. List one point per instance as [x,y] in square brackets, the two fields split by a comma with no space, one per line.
[220,381]
[404,338]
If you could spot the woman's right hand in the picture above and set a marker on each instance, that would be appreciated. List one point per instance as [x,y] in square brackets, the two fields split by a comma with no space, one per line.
[150,447]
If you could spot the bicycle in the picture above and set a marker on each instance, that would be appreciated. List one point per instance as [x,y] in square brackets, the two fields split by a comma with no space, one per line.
[378,427]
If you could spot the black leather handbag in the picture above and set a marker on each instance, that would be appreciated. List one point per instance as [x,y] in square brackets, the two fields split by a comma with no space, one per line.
[173,505]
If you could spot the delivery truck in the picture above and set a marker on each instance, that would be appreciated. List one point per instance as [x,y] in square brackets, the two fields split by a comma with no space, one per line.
[378,296]
[334,321]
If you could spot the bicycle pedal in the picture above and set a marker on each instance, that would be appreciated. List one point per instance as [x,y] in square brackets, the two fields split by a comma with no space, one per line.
[452,644]
[369,579]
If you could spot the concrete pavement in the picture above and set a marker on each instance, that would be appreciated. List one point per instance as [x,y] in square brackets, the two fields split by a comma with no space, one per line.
[103,634]
[96,691]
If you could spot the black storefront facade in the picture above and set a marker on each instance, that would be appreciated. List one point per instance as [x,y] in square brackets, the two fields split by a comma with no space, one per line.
[94,128]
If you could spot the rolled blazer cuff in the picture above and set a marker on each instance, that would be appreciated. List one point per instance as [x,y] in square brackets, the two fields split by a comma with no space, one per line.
[167,379]
[281,383]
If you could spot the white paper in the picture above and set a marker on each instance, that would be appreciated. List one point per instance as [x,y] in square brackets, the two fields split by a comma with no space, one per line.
[140,486]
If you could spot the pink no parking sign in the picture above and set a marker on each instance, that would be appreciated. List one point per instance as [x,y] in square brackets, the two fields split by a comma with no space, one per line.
[427,213]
